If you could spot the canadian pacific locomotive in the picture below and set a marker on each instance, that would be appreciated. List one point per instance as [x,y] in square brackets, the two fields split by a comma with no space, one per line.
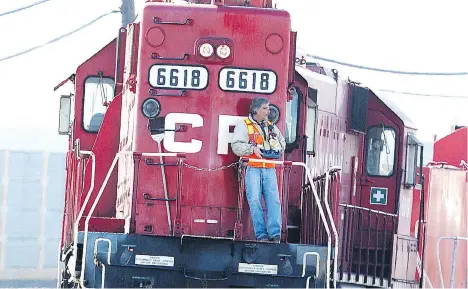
[155,197]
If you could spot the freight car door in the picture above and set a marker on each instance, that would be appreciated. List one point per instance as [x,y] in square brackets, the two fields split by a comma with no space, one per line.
[379,177]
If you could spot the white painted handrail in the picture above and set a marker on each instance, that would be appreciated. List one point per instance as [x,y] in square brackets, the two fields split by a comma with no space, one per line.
[335,231]
[317,261]
[108,241]
[85,203]
[104,184]
[319,205]
[98,197]
[454,256]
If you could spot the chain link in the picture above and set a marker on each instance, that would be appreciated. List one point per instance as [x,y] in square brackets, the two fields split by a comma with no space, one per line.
[211,170]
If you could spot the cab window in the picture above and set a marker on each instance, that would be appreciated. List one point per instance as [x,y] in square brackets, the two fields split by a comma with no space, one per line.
[97,91]
[381,142]
[292,109]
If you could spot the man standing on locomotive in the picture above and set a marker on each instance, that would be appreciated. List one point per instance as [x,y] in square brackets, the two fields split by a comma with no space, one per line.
[258,138]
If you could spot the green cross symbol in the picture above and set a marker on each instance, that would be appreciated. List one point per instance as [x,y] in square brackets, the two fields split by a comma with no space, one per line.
[378,196]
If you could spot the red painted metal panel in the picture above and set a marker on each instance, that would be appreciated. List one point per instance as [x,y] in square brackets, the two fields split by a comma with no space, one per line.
[104,61]
[379,114]
[447,216]
[78,182]
[251,3]
[452,148]
[105,148]
[245,30]
[103,225]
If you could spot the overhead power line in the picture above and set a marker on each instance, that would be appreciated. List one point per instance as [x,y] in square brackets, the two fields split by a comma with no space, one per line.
[462,73]
[23,8]
[58,38]
[425,94]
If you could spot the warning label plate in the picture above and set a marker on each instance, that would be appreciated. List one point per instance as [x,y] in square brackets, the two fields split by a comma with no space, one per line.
[154,260]
[258,269]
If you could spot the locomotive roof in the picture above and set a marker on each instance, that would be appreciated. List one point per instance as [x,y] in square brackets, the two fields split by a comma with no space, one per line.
[311,77]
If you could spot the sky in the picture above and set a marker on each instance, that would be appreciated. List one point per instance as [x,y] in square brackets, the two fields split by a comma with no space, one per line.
[399,35]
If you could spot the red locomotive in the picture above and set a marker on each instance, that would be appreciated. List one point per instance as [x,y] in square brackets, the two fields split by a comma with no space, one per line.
[155,196]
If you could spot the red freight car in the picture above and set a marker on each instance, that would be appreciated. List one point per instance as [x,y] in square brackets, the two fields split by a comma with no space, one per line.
[445,250]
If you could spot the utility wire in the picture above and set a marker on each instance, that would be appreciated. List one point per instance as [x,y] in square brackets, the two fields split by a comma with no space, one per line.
[389,70]
[23,8]
[58,38]
[425,94]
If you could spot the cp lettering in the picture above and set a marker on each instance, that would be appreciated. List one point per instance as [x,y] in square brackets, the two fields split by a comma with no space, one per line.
[196,120]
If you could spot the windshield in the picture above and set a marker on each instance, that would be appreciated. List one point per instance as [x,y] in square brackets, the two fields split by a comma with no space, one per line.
[380,151]
[97,92]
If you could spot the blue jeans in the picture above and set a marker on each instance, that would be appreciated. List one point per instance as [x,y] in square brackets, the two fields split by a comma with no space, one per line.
[262,182]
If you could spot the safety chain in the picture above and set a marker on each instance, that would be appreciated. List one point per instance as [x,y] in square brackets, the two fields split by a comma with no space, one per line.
[211,170]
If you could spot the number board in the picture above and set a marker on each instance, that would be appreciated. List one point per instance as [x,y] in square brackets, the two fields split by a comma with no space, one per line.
[247,80]
[169,76]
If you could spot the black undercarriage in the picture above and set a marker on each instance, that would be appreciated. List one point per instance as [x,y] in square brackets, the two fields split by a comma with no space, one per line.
[189,261]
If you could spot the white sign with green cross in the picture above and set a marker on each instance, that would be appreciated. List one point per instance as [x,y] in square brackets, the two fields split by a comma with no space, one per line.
[378,196]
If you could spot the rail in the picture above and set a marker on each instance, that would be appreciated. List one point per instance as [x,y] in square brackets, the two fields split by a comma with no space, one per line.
[325,185]
[317,200]
[317,269]
[98,197]
[358,256]
[114,162]
[327,191]
[406,250]
[83,207]
[335,232]
[454,258]
[103,275]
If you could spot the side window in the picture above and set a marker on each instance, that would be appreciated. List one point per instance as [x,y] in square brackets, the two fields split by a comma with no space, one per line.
[311,122]
[292,113]
[413,152]
[380,151]
[97,91]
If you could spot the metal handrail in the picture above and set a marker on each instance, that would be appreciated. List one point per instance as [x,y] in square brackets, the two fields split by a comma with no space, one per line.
[117,156]
[454,256]
[103,275]
[317,200]
[88,195]
[98,197]
[353,238]
[368,210]
[317,261]
[335,231]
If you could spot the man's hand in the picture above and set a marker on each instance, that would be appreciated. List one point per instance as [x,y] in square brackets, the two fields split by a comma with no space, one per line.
[257,152]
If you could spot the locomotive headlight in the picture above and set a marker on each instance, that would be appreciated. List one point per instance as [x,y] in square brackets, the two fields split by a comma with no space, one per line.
[206,50]
[151,108]
[223,51]
[274,114]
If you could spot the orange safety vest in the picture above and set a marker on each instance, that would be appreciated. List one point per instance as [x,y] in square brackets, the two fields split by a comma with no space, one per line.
[256,138]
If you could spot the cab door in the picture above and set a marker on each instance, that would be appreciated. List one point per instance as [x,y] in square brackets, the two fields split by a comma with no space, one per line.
[381,154]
